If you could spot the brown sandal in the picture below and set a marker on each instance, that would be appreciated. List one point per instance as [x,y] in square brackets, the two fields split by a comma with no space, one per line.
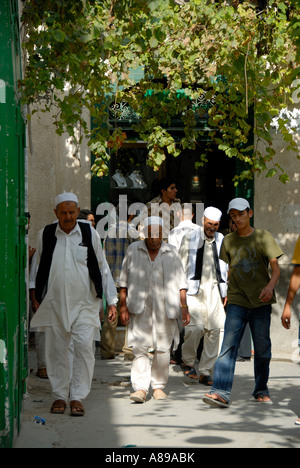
[58,407]
[42,373]
[76,408]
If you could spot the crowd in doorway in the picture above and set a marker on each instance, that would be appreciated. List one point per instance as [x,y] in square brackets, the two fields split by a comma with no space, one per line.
[185,293]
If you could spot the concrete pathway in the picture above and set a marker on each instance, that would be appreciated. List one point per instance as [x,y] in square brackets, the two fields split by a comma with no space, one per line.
[181,422]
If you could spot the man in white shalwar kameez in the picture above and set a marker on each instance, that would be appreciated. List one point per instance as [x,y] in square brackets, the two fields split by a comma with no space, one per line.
[206,297]
[69,306]
[186,226]
[152,295]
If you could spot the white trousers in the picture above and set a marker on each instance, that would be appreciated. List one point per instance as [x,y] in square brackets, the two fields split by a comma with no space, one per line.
[65,382]
[40,350]
[193,336]
[144,375]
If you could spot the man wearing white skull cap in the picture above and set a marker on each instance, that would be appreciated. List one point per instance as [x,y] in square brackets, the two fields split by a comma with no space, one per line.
[207,278]
[65,197]
[71,277]
[152,298]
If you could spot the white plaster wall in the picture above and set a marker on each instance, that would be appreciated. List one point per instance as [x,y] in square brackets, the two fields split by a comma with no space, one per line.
[52,169]
[277,209]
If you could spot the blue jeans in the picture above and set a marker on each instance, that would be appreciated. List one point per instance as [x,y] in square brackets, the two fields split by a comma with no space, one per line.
[236,320]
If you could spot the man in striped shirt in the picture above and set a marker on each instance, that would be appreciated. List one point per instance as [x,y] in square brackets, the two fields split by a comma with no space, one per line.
[115,247]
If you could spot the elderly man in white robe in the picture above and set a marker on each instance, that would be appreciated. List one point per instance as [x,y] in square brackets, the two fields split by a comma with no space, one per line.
[206,297]
[71,277]
[152,297]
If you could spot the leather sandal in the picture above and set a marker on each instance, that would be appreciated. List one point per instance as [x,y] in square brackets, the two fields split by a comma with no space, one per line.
[77,408]
[42,373]
[189,373]
[206,380]
[58,407]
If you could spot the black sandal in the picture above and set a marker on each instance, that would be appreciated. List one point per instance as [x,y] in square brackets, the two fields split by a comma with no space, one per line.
[206,380]
[188,372]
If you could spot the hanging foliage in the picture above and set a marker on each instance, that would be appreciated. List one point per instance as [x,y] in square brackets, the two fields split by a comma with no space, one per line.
[242,57]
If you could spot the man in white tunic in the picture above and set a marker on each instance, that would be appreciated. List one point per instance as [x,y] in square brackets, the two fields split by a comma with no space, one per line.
[186,226]
[70,279]
[152,296]
[207,278]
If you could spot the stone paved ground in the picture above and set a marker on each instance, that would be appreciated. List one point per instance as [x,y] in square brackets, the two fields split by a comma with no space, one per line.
[183,421]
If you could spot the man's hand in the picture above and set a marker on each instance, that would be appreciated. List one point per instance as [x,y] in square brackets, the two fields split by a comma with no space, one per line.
[293,288]
[286,317]
[34,303]
[124,313]
[266,294]
[186,318]
[112,313]
[124,316]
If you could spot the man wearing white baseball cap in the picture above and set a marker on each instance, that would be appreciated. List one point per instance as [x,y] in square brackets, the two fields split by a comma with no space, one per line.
[249,252]
[240,204]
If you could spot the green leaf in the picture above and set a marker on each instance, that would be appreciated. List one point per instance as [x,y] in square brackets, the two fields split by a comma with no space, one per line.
[153,42]
[59,35]
[233,62]
[271,173]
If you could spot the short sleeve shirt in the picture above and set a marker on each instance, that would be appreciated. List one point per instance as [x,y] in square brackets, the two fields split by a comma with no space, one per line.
[248,258]
[296,256]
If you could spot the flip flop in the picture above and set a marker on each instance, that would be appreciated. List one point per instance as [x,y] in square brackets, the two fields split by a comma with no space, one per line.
[215,403]
[259,400]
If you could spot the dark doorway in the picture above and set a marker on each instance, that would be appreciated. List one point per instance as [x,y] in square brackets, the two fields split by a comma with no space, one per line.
[211,184]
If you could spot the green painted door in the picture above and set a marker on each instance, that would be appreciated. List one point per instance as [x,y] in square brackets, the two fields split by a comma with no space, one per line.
[13,315]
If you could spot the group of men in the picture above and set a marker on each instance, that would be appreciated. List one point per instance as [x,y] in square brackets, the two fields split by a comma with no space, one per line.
[162,289]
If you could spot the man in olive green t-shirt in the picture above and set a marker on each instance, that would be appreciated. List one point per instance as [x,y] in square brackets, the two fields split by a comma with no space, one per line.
[249,253]
[249,259]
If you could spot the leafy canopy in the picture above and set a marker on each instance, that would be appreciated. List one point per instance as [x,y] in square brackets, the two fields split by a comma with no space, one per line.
[238,58]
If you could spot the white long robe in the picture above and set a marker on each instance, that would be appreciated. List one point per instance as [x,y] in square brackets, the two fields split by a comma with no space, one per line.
[203,298]
[71,294]
[152,327]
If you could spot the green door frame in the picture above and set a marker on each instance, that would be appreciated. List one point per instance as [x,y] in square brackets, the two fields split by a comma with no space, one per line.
[13,310]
